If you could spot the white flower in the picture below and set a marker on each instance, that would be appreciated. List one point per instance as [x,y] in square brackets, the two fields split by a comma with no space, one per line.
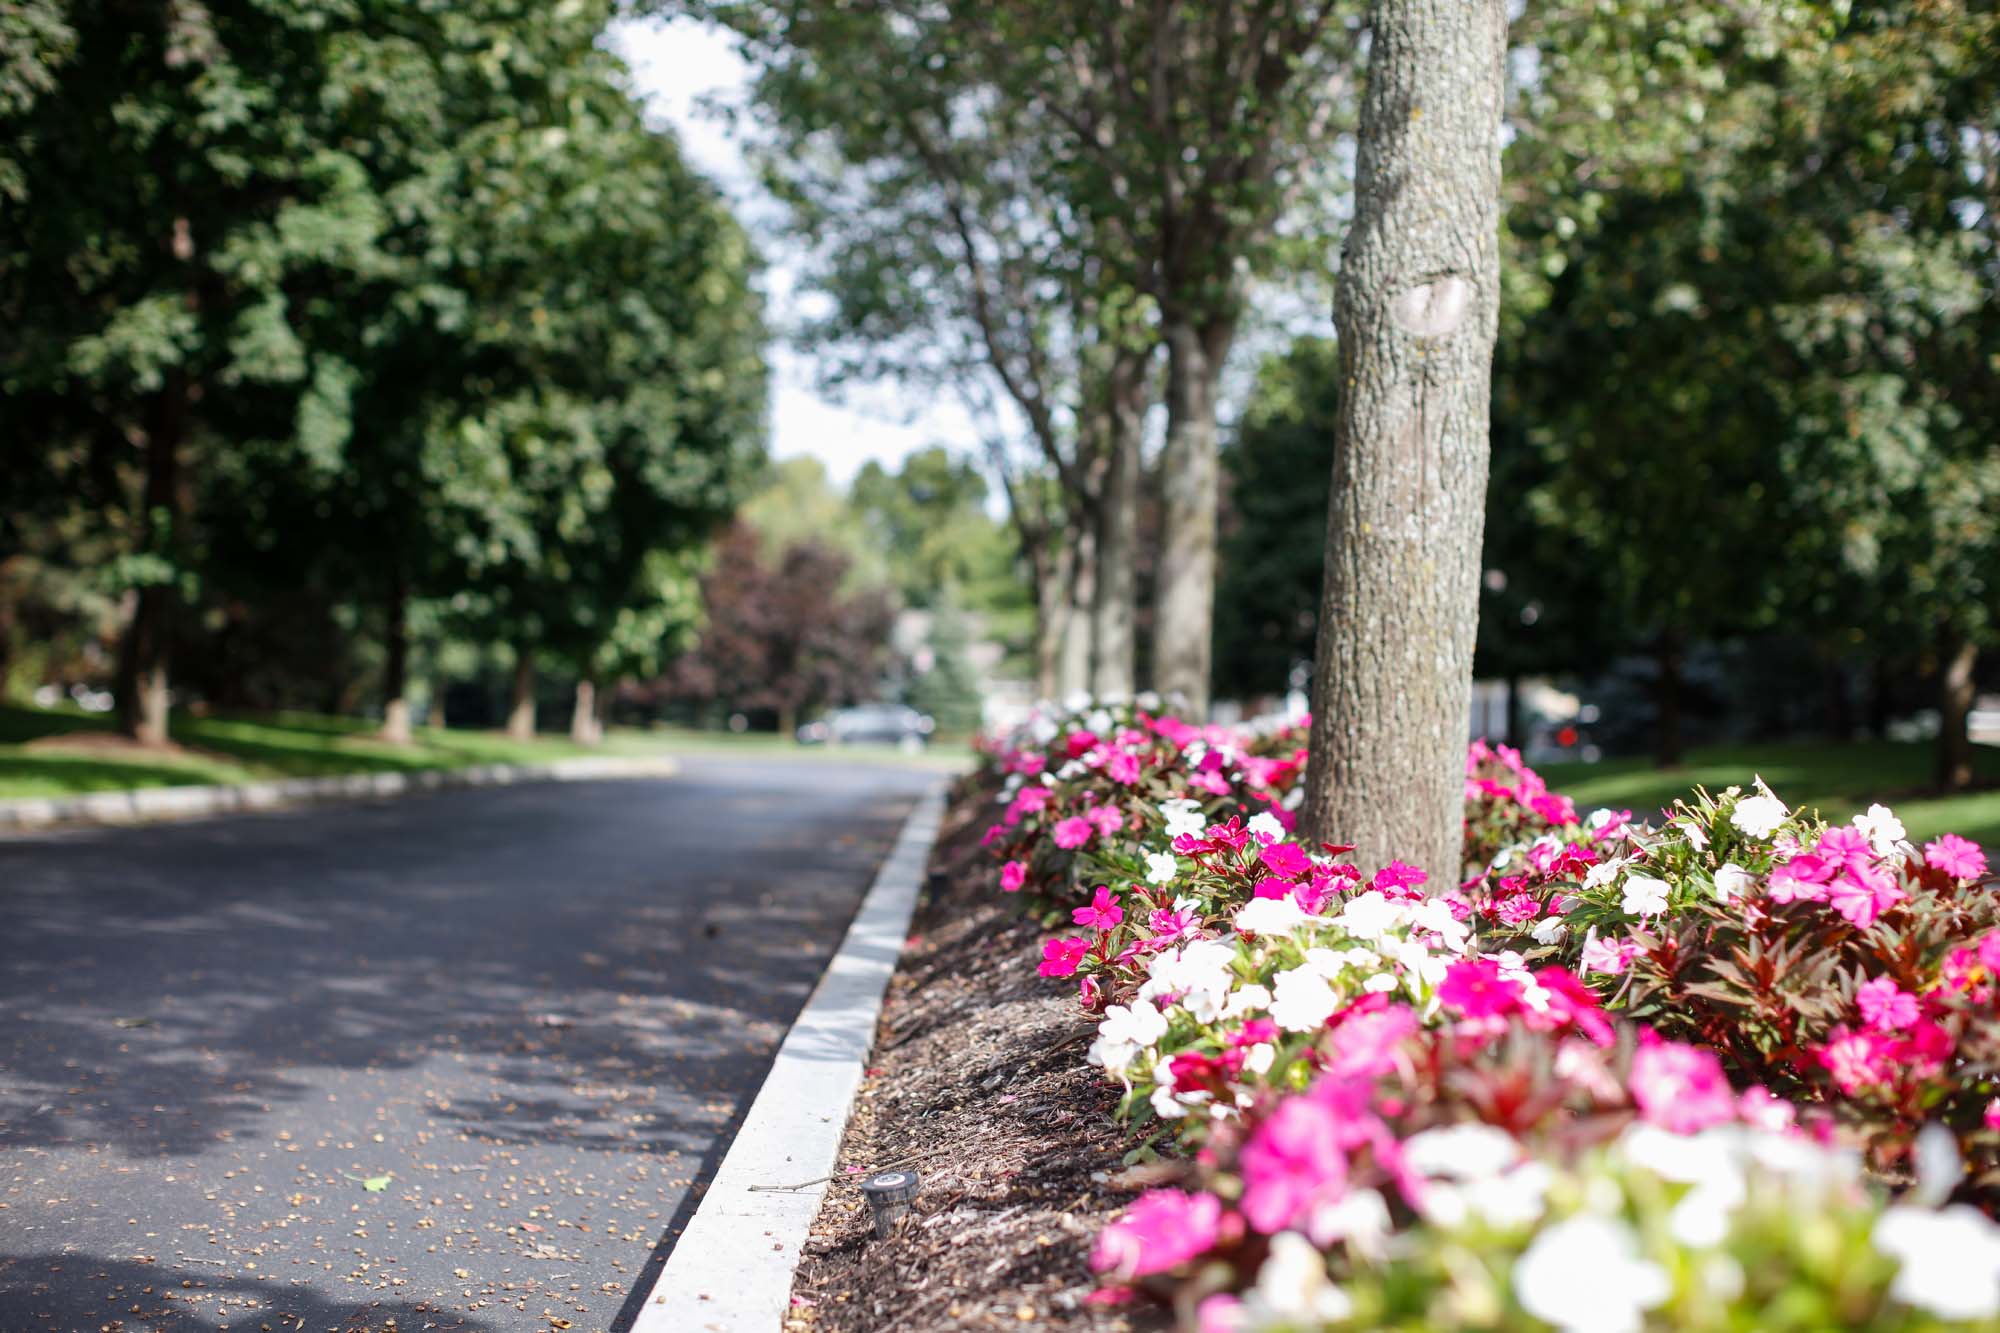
[1732,881]
[1293,1288]
[1099,721]
[1249,998]
[1257,1059]
[1265,826]
[1466,1151]
[1294,798]
[1950,1260]
[1550,929]
[1302,1000]
[1183,816]
[1360,1217]
[1125,1031]
[1759,816]
[1881,827]
[1198,972]
[1071,771]
[1368,916]
[1166,1105]
[1602,873]
[1381,983]
[1584,1275]
[1161,867]
[1644,895]
[1269,916]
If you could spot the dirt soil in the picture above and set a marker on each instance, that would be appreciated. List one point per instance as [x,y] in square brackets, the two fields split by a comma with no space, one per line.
[978,1083]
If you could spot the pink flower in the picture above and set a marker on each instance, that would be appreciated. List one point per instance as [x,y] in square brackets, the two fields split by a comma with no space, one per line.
[1519,908]
[1885,1006]
[1955,856]
[1992,1116]
[1012,876]
[1103,912]
[1681,1088]
[1105,819]
[1161,1230]
[1291,1163]
[1475,988]
[1856,1060]
[1122,767]
[1608,955]
[1072,833]
[1168,924]
[1396,878]
[1844,845]
[1864,893]
[1763,1109]
[1285,858]
[1060,957]
[1365,1040]
[1220,1313]
[1572,1002]
[1801,879]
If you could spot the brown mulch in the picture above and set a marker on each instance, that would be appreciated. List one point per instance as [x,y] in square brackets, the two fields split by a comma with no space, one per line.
[978,1083]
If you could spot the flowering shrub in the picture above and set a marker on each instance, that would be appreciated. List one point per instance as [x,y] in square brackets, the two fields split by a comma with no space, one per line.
[1407,1103]
[1840,965]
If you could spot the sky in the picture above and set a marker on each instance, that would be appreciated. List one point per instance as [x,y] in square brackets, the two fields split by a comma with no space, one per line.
[679,66]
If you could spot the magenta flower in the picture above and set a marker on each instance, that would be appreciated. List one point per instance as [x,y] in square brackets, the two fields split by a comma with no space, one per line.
[1476,989]
[1397,877]
[1291,1163]
[1885,1006]
[1364,1043]
[1863,893]
[1801,879]
[1105,819]
[1012,876]
[1072,833]
[1060,957]
[1856,1060]
[1122,767]
[1681,1088]
[1285,858]
[1103,912]
[1519,908]
[1992,1116]
[1572,1002]
[1161,1230]
[1955,856]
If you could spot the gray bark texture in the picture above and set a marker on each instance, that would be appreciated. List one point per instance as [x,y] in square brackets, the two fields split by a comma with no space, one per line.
[1052,620]
[1114,610]
[1184,598]
[521,699]
[1073,673]
[583,724]
[1957,688]
[1416,310]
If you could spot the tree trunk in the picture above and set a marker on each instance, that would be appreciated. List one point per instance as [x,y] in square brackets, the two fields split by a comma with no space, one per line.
[1416,311]
[1184,595]
[1073,676]
[1881,698]
[436,716]
[1515,720]
[1114,596]
[1956,680]
[1052,619]
[142,686]
[396,669]
[788,722]
[1667,745]
[521,706]
[583,728]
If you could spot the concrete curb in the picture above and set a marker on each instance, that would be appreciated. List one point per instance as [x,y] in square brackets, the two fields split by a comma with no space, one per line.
[731,1271]
[162,803]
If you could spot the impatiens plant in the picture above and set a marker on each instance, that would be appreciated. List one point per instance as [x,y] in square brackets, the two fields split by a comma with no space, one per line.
[1566,1091]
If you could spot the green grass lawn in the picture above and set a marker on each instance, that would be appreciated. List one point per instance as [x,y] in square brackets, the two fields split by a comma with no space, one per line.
[230,749]
[1838,780]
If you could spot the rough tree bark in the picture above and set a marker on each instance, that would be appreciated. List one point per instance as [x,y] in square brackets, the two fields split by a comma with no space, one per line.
[1113,607]
[1956,684]
[583,728]
[1073,671]
[142,687]
[521,703]
[1052,579]
[396,669]
[1184,598]
[1416,311]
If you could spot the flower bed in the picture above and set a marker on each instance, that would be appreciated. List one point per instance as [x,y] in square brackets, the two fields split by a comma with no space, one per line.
[1734,1071]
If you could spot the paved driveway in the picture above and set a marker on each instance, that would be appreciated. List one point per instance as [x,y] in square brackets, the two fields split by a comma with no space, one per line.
[449,1063]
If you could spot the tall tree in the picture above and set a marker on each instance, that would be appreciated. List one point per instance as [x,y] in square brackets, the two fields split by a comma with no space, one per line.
[1416,314]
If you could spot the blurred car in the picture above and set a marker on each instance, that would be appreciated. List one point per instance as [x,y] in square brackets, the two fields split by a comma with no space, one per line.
[870,724]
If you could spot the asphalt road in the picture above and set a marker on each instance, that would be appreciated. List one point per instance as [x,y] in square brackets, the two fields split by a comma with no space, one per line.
[454,1062]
